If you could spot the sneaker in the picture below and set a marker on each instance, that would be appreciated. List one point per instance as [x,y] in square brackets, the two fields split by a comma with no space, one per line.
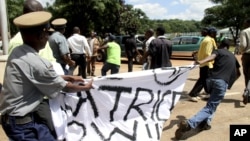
[183,128]
[195,99]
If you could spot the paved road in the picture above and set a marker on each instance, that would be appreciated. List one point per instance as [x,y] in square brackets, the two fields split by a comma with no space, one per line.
[230,111]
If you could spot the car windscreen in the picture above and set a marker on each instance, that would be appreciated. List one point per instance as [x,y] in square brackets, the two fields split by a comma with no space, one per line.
[195,40]
[186,40]
[175,41]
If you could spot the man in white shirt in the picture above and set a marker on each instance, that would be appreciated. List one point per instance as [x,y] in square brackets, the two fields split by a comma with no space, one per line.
[149,36]
[80,50]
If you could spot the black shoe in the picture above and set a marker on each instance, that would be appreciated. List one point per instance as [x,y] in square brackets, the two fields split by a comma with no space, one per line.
[245,96]
[204,126]
[183,128]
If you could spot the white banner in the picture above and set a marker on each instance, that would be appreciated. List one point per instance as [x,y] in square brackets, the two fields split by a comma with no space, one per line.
[121,107]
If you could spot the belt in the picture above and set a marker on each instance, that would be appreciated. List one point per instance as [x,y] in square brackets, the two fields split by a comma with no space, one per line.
[17,119]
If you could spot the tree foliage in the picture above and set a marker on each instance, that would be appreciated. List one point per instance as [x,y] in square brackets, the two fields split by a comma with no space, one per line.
[100,15]
[229,13]
[13,10]
[114,16]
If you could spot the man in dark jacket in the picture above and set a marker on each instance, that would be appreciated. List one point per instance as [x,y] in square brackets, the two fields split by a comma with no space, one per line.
[160,49]
[131,49]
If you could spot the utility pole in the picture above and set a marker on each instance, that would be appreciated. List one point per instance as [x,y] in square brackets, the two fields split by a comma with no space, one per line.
[4,26]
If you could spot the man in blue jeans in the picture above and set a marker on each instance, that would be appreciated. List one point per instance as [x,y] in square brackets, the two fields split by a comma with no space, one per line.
[223,75]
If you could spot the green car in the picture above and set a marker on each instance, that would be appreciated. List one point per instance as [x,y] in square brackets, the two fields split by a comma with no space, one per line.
[185,46]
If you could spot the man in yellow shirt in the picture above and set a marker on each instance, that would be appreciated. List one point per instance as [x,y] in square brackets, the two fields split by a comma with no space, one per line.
[207,46]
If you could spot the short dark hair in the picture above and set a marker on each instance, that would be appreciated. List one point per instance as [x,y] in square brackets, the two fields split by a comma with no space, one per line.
[111,37]
[212,30]
[225,43]
[76,29]
[150,31]
[160,30]
[32,6]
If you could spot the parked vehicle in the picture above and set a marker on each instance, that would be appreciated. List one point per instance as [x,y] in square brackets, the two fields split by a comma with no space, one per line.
[186,46]
[121,39]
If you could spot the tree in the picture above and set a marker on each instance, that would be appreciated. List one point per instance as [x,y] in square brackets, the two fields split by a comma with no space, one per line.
[13,10]
[131,18]
[230,13]
[112,16]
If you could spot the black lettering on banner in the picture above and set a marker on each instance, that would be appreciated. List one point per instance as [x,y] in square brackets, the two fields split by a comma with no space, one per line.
[83,100]
[117,131]
[119,90]
[148,130]
[114,78]
[239,132]
[155,105]
[173,99]
[80,125]
[175,74]
[92,103]
[67,107]
[136,107]
[79,103]
[157,130]
[168,92]
[160,99]
[98,132]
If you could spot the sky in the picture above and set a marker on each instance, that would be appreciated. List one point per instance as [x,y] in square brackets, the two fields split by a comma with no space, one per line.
[168,9]
[172,9]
